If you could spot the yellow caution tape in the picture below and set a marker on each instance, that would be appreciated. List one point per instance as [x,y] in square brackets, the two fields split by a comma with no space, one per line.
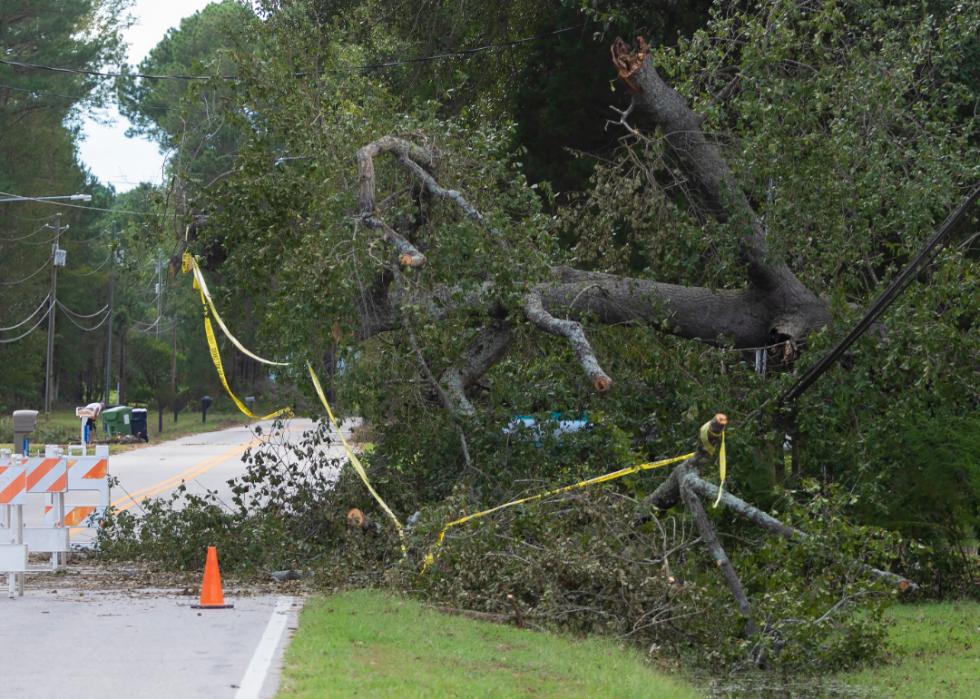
[355,462]
[216,358]
[708,447]
[592,481]
[188,263]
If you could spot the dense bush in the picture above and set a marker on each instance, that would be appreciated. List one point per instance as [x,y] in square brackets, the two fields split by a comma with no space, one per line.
[592,561]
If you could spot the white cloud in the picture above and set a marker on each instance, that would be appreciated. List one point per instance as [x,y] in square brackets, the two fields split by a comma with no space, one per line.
[113,158]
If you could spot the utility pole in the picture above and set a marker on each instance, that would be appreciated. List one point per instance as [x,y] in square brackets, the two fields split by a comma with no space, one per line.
[108,351]
[57,257]
[173,365]
[159,291]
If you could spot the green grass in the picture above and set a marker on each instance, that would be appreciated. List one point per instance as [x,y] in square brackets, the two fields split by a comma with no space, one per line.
[937,653]
[64,424]
[367,644]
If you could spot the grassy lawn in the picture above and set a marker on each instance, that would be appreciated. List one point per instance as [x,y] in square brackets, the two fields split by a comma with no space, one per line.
[368,644]
[938,654]
[63,426]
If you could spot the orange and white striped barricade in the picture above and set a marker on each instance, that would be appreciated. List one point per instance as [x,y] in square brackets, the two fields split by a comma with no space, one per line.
[84,473]
[5,460]
[13,496]
[49,475]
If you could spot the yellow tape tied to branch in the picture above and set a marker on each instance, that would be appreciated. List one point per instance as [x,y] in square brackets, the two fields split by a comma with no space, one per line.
[355,462]
[592,481]
[216,358]
[709,447]
[188,263]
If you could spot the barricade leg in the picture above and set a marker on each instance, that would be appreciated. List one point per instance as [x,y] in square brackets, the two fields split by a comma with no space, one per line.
[15,580]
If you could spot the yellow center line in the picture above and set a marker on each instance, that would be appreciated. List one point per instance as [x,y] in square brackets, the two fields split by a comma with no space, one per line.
[193,472]
[190,473]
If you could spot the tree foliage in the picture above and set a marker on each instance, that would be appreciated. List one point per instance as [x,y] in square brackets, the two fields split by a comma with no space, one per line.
[829,139]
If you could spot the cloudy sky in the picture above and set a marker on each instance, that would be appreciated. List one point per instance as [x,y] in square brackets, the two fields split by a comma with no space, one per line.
[113,158]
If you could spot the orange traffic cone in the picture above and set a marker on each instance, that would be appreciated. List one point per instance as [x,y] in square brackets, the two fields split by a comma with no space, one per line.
[211,595]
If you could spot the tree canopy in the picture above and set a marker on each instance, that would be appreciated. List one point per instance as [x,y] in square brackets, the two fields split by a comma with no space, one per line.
[639,228]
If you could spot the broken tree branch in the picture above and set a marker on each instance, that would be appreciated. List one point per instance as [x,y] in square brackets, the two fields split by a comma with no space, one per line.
[453,195]
[701,162]
[771,524]
[407,153]
[718,553]
[575,334]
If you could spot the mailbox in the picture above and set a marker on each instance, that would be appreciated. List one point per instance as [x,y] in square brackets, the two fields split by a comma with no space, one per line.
[250,403]
[25,422]
[205,404]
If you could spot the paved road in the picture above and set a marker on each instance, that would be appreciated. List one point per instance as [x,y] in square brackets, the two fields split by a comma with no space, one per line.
[113,644]
[150,644]
[202,462]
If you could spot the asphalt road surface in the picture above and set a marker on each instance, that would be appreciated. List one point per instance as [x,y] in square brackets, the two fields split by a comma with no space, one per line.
[200,462]
[151,644]
[114,644]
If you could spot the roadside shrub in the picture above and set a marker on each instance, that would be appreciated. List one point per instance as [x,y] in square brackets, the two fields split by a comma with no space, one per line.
[592,561]
[582,562]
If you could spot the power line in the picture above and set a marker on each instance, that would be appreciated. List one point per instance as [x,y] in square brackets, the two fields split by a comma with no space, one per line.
[901,282]
[390,64]
[16,240]
[86,274]
[84,330]
[43,242]
[79,315]
[77,98]
[24,218]
[14,327]
[29,331]
[151,329]
[21,281]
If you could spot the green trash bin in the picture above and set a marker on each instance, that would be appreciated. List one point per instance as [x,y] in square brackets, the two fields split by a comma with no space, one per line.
[116,420]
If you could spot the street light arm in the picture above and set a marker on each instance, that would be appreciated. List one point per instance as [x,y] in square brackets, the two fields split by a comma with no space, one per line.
[72,197]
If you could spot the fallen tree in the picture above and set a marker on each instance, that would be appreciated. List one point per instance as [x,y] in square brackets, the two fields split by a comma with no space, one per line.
[760,190]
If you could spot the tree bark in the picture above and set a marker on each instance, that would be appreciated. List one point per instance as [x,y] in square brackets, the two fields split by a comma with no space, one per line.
[771,524]
[794,310]
[717,551]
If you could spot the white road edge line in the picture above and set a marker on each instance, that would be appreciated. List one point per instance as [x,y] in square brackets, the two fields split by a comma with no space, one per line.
[258,668]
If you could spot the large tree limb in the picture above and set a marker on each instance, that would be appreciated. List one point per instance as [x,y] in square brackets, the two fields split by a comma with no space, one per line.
[489,346]
[717,551]
[802,310]
[407,153]
[771,524]
[453,195]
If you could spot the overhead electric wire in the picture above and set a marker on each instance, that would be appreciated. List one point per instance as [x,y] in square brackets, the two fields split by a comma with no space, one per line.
[143,76]
[87,240]
[901,282]
[79,315]
[74,97]
[85,274]
[28,318]
[86,330]
[25,218]
[162,331]
[43,242]
[21,281]
[21,337]
[17,240]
